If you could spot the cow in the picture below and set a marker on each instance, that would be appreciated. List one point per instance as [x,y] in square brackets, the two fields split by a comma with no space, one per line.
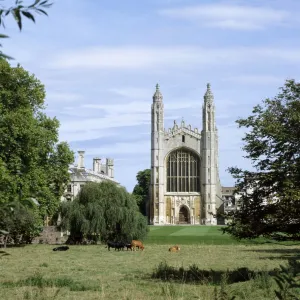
[120,246]
[135,243]
[128,246]
[61,248]
[175,248]
[116,245]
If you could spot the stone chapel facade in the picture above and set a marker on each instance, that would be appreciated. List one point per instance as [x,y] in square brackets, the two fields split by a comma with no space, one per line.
[185,185]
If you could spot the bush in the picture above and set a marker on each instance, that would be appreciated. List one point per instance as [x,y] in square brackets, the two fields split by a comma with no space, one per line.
[21,223]
[103,211]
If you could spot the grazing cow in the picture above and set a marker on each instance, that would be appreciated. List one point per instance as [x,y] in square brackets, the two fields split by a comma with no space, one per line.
[128,246]
[175,248]
[116,245]
[120,246]
[61,248]
[138,244]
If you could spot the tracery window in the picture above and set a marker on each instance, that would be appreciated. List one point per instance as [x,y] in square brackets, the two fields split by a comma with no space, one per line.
[183,171]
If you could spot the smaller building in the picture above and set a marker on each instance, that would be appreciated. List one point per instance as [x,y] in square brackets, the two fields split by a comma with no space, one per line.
[228,198]
[80,175]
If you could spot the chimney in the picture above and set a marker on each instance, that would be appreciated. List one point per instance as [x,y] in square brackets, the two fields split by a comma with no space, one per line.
[81,159]
[97,165]
[110,167]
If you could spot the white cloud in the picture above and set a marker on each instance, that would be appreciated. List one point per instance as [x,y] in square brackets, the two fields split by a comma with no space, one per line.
[112,116]
[67,134]
[140,147]
[255,79]
[158,58]
[81,128]
[133,92]
[62,97]
[229,16]
[140,107]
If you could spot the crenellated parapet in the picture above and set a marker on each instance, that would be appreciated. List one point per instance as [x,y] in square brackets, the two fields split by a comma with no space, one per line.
[182,129]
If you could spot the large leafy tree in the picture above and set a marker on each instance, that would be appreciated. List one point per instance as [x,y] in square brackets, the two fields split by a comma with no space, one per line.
[31,159]
[270,195]
[18,11]
[141,189]
[103,211]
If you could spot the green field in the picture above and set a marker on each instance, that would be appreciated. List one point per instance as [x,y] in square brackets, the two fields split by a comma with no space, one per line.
[190,235]
[35,272]
[92,272]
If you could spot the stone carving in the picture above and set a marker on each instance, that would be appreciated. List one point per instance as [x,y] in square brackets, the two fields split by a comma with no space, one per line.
[174,131]
[183,201]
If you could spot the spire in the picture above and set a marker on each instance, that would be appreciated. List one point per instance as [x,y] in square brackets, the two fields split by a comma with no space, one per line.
[157,97]
[182,122]
[208,97]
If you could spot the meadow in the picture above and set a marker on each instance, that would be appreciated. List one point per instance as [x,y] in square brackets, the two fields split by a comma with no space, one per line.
[93,272]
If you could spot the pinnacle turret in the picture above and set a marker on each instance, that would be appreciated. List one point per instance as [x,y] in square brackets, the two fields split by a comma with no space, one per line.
[157,97]
[208,97]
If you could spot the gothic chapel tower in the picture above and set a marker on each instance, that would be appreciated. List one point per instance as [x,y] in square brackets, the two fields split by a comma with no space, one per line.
[185,186]
[157,163]
[211,188]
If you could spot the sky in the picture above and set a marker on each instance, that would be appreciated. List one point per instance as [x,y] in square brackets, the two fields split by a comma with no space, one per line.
[100,62]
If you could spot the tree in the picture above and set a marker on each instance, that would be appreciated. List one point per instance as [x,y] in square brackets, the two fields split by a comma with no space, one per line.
[32,162]
[103,210]
[270,195]
[141,189]
[19,10]
[21,223]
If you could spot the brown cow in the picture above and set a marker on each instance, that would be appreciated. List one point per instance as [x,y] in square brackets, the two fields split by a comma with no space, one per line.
[138,244]
[175,248]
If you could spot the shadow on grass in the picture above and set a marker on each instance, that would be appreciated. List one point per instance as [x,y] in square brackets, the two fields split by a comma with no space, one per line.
[282,254]
[282,257]
[262,241]
[276,251]
[3,253]
[193,274]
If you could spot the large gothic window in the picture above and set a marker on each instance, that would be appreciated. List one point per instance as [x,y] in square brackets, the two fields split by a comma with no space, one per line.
[183,171]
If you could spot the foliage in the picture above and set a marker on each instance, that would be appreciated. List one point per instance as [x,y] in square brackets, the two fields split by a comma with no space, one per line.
[270,195]
[288,281]
[141,189]
[20,10]
[21,223]
[223,293]
[286,278]
[32,162]
[103,210]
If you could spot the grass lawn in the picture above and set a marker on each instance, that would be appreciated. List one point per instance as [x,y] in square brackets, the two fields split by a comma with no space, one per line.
[93,272]
[191,235]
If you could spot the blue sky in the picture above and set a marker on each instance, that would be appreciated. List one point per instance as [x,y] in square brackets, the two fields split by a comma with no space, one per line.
[100,62]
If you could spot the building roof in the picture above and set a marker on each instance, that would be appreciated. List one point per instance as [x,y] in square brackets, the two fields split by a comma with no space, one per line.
[84,174]
[228,189]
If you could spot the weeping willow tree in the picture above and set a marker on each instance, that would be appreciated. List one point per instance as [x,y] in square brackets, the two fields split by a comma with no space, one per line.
[103,211]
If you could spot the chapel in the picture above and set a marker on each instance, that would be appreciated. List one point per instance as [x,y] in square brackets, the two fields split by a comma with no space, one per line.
[185,185]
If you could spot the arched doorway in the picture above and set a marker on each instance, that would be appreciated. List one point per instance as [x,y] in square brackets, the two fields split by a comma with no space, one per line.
[184,217]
